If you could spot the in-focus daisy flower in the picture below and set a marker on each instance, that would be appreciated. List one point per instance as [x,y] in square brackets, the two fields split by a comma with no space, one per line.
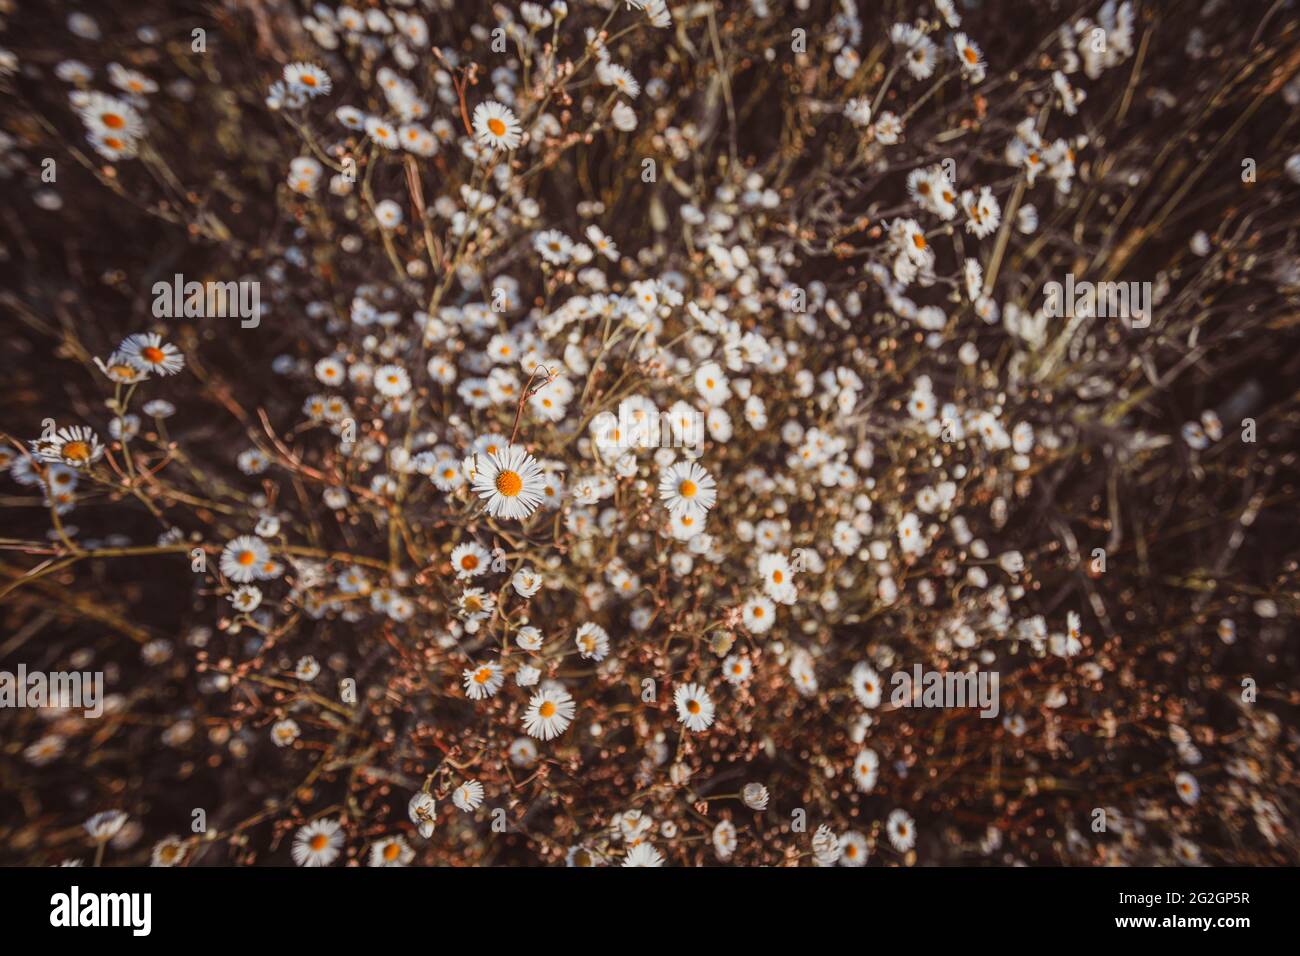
[307,77]
[243,559]
[318,843]
[901,830]
[483,680]
[149,351]
[75,447]
[391,851]
[468,796]
[495,126]
[694,707]
[549,713]
[643,854]
[511,481]
[686,488]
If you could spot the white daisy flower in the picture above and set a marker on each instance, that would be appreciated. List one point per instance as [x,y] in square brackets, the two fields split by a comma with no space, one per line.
[694,707]
[308,78]
[318,843]
[866,768]
[511,480]
[483,680]
[75,447]
[758,615]
[643,854]
[592,641]
[391,851]
[686,487]
[468,796]
[246,597]
[470,559]
[392,381]
[149,351]
[422,809]
[549,713]
[901,830]
[285,732]
[244,558]
[495,126]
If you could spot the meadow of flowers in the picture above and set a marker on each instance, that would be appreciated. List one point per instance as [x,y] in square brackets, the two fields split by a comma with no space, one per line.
[549,433]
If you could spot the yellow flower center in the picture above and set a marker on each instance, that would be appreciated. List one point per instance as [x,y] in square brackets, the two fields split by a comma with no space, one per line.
[547,709]
[509,484]
[76,451]
[497,127]
[687,489]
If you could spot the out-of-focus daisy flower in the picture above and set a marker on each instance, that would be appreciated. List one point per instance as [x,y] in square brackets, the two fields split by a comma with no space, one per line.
[246,597]
[483,680]
[643,854]
[168,851]
[307,77]
[391,851]
[148,350]
[592,641]
[1188,790]
[422,811]
[285,732]
[901,830]
[102,827]
[318,843]
[754,796]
